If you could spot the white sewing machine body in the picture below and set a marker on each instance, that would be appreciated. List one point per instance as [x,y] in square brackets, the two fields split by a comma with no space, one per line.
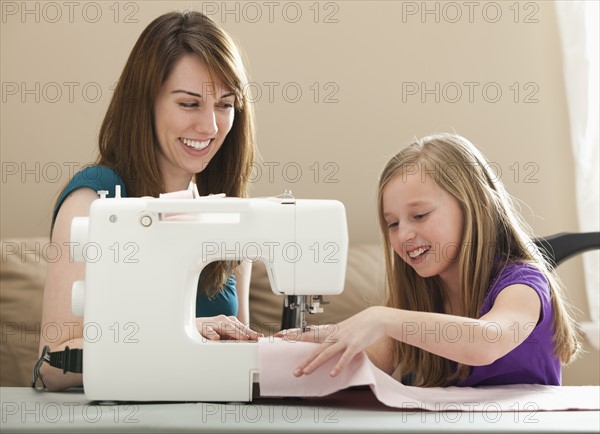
[143,259]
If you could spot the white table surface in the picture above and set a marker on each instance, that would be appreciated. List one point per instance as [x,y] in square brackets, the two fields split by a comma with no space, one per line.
[26,410]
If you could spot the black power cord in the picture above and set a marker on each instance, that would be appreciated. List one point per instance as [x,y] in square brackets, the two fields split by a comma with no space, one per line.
[69,360]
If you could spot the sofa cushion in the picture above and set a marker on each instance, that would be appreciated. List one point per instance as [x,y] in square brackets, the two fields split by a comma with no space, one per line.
[22,275]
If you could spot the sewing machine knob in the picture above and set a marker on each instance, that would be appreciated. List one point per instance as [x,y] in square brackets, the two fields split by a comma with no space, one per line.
[77,297]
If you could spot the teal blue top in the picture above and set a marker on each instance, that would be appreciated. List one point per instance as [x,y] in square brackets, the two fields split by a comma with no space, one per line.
[97,178]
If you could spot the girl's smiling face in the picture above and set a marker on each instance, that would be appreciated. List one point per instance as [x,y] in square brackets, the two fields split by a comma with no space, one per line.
[193,113]
[425,225]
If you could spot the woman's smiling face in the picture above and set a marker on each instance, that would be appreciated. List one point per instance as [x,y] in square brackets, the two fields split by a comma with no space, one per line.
[193,114]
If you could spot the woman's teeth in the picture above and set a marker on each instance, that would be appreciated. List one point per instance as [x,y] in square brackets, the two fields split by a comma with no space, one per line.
[195,144]
[418,252]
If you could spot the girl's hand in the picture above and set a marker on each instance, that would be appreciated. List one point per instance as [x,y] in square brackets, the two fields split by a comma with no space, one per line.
[318,334]
[350,338]
[225,327]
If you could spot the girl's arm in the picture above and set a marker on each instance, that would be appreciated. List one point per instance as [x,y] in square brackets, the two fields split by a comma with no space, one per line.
[380,354]
[465,340]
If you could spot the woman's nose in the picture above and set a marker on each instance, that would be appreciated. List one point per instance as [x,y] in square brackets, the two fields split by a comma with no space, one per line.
[206,123]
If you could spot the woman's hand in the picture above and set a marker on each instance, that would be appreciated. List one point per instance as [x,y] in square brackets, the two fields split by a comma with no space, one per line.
[223,327]
[350,337]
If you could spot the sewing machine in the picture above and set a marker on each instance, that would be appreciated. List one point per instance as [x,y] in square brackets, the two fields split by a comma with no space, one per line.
[143,258]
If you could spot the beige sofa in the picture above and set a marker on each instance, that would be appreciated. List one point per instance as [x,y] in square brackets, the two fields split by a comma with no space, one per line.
[23,271]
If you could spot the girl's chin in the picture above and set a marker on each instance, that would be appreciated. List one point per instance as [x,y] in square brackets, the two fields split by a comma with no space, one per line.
[424,274]
[422,269]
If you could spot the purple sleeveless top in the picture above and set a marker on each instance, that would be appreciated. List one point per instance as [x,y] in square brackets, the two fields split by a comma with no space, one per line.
[533,361]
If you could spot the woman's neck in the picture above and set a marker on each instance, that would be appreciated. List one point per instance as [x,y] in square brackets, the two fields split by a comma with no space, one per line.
[179,184]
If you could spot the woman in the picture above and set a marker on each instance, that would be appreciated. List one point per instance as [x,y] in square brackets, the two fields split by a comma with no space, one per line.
[177,115]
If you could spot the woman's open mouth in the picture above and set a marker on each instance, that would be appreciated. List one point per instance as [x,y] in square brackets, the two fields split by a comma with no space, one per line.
[196,144]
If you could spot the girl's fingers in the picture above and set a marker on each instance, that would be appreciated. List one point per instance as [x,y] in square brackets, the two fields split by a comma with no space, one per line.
[293,335]
[286,332]
[300,369]
[322,355]
[313,334]
[347,356]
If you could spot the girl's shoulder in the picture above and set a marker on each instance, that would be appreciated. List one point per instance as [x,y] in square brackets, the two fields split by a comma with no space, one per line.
[519,269]
[518,273]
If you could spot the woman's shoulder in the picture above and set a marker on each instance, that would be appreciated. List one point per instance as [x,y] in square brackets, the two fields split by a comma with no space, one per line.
[97,178]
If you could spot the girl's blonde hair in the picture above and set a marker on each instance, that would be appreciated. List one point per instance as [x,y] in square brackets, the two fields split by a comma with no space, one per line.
[494,235]
[127,139]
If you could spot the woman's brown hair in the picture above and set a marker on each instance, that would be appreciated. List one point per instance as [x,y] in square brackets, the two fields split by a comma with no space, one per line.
[127,140]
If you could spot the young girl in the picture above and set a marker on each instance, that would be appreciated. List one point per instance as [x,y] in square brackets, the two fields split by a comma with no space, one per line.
[471,299]
[177,114]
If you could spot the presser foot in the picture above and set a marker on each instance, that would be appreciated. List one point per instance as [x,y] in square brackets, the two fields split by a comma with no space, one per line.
[301,306]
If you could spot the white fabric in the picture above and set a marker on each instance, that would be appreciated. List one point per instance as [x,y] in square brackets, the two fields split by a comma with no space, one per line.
[278,358]
[578,24]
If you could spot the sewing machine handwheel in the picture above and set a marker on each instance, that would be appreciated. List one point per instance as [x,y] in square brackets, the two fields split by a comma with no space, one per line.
[78,297]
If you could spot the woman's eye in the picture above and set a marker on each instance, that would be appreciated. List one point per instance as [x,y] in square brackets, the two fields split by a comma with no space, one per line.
[225,105]
[393,225]
[188,105]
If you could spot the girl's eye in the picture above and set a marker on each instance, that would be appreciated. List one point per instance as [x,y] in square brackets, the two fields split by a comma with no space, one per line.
[421,216]
[393,225]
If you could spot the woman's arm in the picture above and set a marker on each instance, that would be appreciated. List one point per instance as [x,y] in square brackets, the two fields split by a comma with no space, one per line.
[231,327]
[56,308]
[242,286]
[465,340]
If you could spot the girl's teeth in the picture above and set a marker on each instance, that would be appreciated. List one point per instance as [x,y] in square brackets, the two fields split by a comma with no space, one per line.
[417,252]
[195,144]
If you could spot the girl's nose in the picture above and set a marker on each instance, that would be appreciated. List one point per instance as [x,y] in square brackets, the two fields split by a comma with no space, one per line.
[406,233]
